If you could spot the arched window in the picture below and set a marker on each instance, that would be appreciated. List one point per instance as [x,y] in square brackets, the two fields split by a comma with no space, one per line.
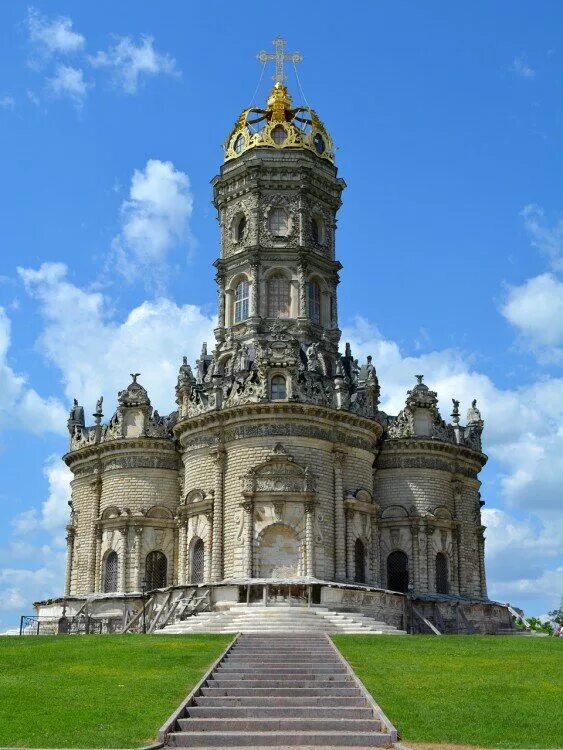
[279,135]
[239,143]
[278,388]
[155,570]
[241,301]
[398,571]
[110,572]
[197,561]
[278,297]
[240,229]
[360,561]
[317,230]
[278,222]
[441,573]
[314,298]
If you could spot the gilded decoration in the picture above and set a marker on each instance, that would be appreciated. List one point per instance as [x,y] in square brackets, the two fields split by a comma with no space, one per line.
[279,126]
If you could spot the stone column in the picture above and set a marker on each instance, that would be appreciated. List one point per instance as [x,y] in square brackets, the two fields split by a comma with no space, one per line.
[375,552]
[248,509]
[302,282]
[98,565]
[334,320]
[254,286]
[137,563]
[454,575]
[429,552]
[91,584]
[339,520]
[415,557]
[217,543]
[122,583]
[220,279]
[351,559]
[182,548]
[481,553]
[70,532]
[309,539]
[208,548]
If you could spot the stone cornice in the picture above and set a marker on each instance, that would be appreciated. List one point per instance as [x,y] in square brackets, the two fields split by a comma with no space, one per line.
[410,446]
[150,447]
[331,418]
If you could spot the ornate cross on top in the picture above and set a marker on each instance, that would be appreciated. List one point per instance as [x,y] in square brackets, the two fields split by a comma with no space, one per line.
[280,57]
[135,375]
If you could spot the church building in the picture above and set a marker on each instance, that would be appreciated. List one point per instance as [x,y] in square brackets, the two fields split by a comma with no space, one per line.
[278,479]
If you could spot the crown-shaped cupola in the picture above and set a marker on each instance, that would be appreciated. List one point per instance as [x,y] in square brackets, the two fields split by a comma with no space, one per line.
[279,125]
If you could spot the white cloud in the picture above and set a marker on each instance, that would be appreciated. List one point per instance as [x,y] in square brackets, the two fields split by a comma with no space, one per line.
[522,69]
[535,308]
[523,434]
[154,219]
[545,238]
[53,36]
[103,351]
[7,102]
[130,62]
[21,407]
[69,83]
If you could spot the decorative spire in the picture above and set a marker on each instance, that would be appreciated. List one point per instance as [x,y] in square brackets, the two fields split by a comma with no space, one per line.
[280,57]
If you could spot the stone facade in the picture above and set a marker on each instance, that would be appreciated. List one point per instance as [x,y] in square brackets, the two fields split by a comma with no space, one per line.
[278,463]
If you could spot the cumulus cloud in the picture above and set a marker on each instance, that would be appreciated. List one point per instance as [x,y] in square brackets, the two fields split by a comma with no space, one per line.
[68,83]
[130,62]
[523,435]
[95,352]
[535,309]
[522,69]
[7,102]
[21,407]
[53,36]
[546,238]
[154,219]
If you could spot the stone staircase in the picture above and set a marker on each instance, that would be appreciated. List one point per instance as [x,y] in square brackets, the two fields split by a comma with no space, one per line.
[273,690]
[279,619]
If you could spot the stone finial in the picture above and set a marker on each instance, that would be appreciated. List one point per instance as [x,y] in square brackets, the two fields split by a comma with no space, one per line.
[134,376]
[473,414]
[419,379]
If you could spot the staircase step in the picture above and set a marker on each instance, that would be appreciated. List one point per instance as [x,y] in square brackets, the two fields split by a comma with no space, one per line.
[280,712]
[278,738]
[260,701]
[246,724]
[282,691]
[253,682]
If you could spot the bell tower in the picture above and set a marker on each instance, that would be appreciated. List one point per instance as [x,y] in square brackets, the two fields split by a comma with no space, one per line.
[277,196]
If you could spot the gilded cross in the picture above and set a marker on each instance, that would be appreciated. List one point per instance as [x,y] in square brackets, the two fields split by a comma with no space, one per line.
[279,56]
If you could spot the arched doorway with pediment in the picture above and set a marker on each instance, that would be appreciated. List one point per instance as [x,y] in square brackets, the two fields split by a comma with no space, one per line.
[279,553]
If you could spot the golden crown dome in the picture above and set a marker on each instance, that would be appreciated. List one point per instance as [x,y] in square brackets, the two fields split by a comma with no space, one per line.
[279,126]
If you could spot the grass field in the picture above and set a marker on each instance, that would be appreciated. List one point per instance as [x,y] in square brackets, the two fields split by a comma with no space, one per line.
[96,691]
[503,692]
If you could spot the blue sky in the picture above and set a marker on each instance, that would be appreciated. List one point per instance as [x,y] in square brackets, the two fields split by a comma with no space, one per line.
[448,123]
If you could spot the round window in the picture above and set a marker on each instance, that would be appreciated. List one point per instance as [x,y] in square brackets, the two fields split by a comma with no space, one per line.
[239,143]
[319,143]
[279,135]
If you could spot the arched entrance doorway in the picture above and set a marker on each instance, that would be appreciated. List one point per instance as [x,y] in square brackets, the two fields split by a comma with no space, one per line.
[441,573]
[197,560]
[156,567]
[398,571]
[360,561]
[279,553]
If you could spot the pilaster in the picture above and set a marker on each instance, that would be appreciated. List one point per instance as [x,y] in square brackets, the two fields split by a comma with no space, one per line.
[219,458]
[339,519]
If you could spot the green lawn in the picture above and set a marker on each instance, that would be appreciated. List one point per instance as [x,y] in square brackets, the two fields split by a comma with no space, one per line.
[96,691]
[504,692]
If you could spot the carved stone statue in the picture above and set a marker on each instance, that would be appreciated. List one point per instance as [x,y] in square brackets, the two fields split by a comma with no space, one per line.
[99,403]
[313,362]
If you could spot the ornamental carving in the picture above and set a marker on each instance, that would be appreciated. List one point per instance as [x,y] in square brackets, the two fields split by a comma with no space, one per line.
[280,473]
